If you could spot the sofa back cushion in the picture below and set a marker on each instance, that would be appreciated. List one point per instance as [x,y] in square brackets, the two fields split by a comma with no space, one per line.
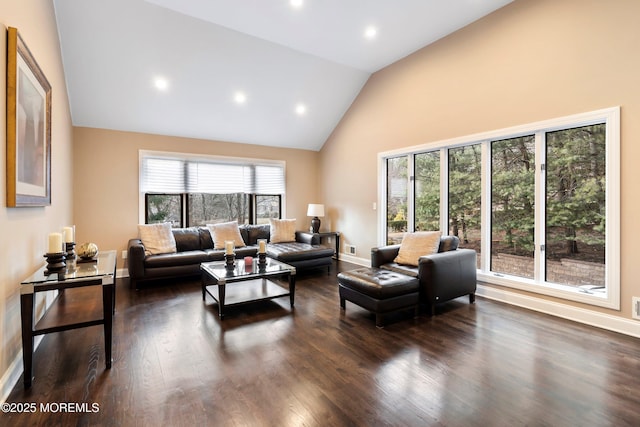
[448,243]
[206,242]
[251,233]
[187,239]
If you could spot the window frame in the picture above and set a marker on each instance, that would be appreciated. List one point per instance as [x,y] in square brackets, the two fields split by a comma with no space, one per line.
[611,118]
[142,199]
[146,205]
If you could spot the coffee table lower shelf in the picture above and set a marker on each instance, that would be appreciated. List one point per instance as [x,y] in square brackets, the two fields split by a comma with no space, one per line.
[246,292]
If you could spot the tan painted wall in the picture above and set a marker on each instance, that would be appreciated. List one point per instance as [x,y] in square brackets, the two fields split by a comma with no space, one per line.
[23,231]
[531,60]
[106,184]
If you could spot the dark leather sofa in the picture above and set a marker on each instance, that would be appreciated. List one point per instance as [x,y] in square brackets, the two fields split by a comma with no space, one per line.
[448,274]
[194,245]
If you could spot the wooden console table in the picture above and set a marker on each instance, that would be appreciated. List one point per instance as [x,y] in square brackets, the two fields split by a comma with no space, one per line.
[100,272]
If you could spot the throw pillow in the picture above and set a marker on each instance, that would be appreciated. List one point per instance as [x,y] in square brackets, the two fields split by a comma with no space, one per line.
[415,245]
[224,231]
[282,230]
[157,238]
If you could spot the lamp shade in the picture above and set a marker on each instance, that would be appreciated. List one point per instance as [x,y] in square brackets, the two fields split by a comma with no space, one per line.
[315,210]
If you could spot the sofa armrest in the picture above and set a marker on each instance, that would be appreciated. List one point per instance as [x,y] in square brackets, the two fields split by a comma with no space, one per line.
[308,238]
[135,258]
[447,275]
[384,255]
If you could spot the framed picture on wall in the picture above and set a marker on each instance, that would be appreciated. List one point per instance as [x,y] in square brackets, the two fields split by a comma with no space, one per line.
[28,127]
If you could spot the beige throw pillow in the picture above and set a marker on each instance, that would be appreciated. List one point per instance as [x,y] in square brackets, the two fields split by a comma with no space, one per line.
[415,245]
[157,238]
[283,230]
[224,231]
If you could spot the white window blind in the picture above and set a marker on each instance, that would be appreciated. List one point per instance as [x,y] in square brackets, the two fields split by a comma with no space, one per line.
[162,175]
[268,180]
[169,175]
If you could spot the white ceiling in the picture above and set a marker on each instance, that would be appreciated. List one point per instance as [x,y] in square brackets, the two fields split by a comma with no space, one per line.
[277,55]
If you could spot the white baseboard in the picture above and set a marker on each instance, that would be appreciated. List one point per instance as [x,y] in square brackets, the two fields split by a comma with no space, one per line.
[565,311]
[14,373]
[122,273]
[11,377]
[355,260]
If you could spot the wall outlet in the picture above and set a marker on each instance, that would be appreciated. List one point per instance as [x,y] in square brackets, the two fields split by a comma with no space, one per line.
[350,249]
[124,254]
[635,307]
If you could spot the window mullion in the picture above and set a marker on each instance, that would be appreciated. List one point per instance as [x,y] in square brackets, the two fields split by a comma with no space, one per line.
[540,211]
[485,203]
[411,193]
[444,191]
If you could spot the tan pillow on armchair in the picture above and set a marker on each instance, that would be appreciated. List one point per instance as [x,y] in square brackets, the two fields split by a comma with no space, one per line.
[415,245]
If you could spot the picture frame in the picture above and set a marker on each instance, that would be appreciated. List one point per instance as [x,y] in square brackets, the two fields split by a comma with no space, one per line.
[28,127]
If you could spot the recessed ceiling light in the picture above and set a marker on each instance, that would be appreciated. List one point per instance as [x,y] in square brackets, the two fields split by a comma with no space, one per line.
[240,97]
[161,83]
[301,109]
[296,3]
[370,32]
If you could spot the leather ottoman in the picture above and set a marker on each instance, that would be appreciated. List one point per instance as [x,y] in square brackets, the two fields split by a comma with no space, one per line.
[379,291]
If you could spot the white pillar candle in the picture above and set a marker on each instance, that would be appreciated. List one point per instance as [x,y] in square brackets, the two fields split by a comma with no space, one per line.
[69,234]
[262,246]
[55,243]
[228,247]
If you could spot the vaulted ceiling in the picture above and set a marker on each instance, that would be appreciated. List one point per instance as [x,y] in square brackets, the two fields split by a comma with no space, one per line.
[268,72]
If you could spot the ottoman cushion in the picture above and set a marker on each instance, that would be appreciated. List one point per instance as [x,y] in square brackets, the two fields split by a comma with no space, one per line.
[378,283]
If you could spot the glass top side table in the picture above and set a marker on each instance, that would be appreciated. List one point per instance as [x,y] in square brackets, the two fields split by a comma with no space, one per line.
[98,272]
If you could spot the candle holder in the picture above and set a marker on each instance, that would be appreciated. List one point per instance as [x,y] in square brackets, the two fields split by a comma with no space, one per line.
[262,259]
[55,262]
[230,260]
[70,247]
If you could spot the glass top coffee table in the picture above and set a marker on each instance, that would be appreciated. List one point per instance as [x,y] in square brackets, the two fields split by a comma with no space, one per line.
[251,282]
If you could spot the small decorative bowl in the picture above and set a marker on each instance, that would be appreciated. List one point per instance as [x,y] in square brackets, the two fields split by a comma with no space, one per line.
[87,250]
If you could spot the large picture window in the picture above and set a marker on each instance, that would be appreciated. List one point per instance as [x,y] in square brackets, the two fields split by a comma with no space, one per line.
[539,203]
[512,206]
[189,190]
[465,195]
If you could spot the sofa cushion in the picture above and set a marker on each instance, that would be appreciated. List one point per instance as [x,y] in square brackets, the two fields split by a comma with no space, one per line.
[175,259]
[282,230]
[225,231]
[294,251]
[407,270]
[415,245]
[157,238]
[187,239]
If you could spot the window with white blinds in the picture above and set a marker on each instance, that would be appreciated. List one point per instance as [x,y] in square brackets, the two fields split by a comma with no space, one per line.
[162,174]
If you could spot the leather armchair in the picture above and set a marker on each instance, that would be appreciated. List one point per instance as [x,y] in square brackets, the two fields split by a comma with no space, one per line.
[448,274]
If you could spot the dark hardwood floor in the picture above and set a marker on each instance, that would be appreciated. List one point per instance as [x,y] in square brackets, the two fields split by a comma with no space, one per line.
[176,364]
